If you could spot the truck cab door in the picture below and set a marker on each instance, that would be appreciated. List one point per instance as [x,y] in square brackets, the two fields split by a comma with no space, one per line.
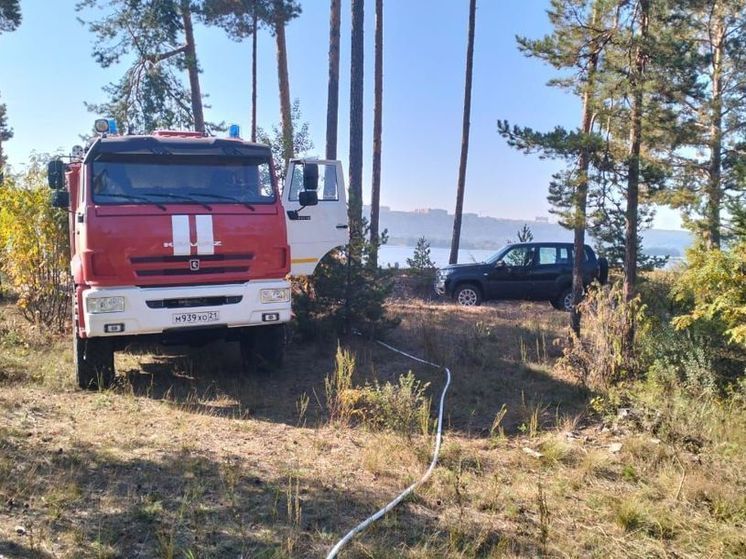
[314,230]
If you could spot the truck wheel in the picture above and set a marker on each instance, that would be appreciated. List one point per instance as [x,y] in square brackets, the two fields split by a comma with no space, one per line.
[94,362]
[269,347]
[468,295]
[262,348]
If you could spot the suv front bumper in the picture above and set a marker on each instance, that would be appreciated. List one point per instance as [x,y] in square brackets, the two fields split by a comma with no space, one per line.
[142,314]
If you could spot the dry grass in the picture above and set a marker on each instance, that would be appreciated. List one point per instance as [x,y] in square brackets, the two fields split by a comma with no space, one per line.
[187,459]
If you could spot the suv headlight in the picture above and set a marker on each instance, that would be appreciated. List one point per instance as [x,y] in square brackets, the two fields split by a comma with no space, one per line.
[97,305]
[275,295]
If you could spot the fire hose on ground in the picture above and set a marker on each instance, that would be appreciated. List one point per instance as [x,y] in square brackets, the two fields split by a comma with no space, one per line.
[438,438]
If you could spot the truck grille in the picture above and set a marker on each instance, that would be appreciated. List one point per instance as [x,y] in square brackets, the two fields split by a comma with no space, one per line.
[190,302]
[229,263]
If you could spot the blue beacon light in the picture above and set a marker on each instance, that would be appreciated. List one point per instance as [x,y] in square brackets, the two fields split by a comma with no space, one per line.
[112,126]
[234,131]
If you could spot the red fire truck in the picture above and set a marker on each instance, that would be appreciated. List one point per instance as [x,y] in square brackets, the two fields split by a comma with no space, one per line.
[183,238]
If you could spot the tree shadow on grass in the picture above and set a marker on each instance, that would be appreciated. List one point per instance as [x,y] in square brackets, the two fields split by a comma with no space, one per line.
[208,380]
[184,503]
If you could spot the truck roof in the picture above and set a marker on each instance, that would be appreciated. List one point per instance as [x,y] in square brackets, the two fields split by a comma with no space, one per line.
[175,145]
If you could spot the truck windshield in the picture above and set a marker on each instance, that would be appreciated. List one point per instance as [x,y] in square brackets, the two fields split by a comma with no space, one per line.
[127,179]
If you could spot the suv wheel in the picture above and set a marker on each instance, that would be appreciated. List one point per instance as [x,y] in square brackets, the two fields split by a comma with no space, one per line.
[565,301]
[94,362]
[468,296]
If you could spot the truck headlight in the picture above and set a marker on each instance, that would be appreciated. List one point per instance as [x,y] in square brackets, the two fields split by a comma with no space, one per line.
[97,305]
[275,295]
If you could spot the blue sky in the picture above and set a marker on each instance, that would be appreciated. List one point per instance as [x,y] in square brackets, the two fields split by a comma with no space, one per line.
[48,72]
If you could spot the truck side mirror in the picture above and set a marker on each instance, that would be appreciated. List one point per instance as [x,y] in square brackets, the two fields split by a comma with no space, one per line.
[310,176]
[56,174]
[308,198]
[60,199]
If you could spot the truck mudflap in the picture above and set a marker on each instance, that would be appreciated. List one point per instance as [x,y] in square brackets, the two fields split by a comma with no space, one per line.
[128,311]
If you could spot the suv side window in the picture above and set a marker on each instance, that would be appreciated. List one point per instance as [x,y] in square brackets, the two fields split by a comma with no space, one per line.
[567,255]
[518,256]
[547,256]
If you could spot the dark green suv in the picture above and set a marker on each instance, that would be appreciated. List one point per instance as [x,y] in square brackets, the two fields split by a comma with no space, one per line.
[529,271]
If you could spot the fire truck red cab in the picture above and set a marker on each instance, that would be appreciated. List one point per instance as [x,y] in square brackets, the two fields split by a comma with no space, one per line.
[177,237]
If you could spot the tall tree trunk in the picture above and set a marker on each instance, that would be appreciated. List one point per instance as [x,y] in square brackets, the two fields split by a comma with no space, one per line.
[190,54]
[332,100]
[581,194]
[714,189]
[633,170]
[377,130]
[253,74]
[284,83]
[456,239]
[355,207]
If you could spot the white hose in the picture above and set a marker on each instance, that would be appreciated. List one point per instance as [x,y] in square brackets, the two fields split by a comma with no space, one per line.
[438,438]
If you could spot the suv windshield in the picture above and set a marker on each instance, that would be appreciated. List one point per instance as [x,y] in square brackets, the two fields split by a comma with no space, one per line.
[126,179]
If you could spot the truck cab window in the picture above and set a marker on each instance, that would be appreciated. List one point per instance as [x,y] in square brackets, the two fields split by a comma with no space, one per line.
[137,178]
[327,190]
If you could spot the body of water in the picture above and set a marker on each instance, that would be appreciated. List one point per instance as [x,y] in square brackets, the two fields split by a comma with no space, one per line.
[391,255]
[396,255]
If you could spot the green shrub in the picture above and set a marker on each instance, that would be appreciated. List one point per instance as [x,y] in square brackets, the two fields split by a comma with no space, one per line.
[421,267]
[340,399]
[713,282]
[402,407]
[601,357]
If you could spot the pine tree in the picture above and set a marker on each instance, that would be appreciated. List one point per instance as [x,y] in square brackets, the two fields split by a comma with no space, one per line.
[332,101]
[355,198]
[10,15]
[458,212]
[582,30]
[282,12]
[525,235]
[713,33]
[375,197]
[10,19]
[241,19]
[158,37]
[6,133]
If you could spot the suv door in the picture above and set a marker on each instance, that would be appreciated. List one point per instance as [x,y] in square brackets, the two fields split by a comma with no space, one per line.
[314,230]
[551,263]
[509,277]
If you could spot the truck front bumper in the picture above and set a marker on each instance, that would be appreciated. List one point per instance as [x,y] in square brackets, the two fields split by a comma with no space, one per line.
[154,310]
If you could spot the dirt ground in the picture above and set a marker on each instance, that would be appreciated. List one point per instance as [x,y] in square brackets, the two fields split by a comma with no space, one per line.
[187,458]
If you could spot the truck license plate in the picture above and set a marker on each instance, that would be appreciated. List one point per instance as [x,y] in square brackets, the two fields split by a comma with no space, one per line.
[195,317]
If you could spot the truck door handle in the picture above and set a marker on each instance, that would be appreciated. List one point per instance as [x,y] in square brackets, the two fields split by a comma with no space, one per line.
[343,226]
[80,217]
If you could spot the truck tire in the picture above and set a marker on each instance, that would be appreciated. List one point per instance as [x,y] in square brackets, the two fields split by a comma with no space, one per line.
[262,348]
[269,346]
[603,271]
[94,362]
[468,295]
